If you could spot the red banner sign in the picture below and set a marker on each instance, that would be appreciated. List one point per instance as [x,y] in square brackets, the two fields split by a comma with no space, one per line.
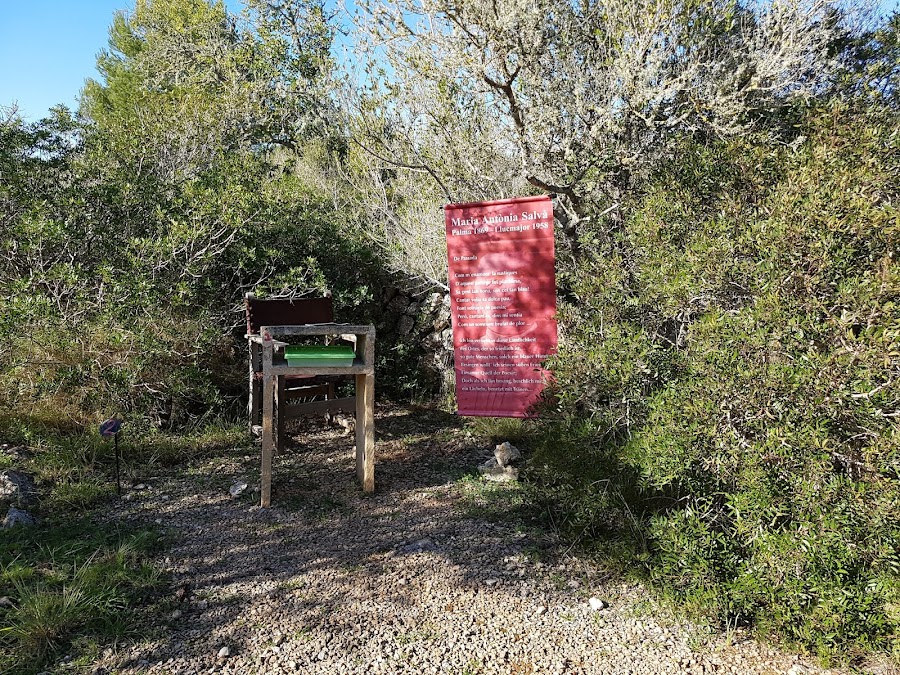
[503,302]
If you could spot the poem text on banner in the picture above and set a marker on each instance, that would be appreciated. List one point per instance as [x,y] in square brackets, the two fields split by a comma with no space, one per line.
[502,301]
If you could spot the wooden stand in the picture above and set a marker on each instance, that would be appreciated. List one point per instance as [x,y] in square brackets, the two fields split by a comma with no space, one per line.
[275,368]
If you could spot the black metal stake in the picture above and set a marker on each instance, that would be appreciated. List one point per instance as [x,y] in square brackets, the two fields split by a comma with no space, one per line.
[111,427]
[118,482]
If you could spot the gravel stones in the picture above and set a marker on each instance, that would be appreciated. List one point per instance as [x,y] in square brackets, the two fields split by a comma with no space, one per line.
[499,468]
[419,546]
[411,579]
[596,604]
[238,488]
[492,471]
[17,492]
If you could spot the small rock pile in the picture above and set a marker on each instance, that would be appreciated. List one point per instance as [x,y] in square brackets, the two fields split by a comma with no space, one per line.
[502,466]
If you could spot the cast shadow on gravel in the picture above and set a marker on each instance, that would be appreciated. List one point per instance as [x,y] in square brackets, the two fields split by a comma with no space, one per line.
[325,547]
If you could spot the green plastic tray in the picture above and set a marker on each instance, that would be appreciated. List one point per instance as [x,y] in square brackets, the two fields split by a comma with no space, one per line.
[319,355]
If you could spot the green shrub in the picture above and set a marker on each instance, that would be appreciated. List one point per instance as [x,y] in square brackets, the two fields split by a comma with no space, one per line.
[118,300]
[729,382]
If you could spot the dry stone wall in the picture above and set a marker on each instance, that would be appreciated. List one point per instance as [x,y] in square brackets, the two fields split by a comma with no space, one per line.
[414,331]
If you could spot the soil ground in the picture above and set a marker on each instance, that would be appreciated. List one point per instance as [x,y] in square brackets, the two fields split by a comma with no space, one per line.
[437,572]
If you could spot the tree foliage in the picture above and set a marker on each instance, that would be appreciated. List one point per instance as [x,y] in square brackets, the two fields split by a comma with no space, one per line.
[736,379]
[725,176]
[131,233]
[577,99]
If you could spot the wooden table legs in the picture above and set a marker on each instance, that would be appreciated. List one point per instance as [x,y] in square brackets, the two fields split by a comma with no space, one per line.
[268,439]
[273,374]
[365,435]
[365,431]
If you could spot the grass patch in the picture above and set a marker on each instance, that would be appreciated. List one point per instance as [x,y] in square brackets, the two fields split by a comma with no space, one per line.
[450,469]
[70,584]
[492,501]
[76,585]
[81,494]
[167,450]
[499,429]
[57,455]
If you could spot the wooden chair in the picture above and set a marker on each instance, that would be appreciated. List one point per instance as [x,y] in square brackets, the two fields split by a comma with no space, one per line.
[293,394]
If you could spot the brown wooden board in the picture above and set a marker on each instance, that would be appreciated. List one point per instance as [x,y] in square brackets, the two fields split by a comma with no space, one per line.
[284,312]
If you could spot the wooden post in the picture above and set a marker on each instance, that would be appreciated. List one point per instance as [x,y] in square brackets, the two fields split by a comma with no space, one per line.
[268,405]
[254,403]
[365,432]
[365,415]
[280,414]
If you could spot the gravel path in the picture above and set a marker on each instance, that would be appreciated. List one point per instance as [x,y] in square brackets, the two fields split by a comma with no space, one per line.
[413,579]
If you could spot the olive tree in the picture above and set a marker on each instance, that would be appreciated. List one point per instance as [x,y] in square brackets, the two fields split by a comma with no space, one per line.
[483,99]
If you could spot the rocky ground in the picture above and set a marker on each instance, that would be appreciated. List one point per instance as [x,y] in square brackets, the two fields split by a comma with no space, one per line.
[434,573]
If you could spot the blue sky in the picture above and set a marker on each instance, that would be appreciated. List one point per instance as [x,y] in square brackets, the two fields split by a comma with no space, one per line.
[48,48]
